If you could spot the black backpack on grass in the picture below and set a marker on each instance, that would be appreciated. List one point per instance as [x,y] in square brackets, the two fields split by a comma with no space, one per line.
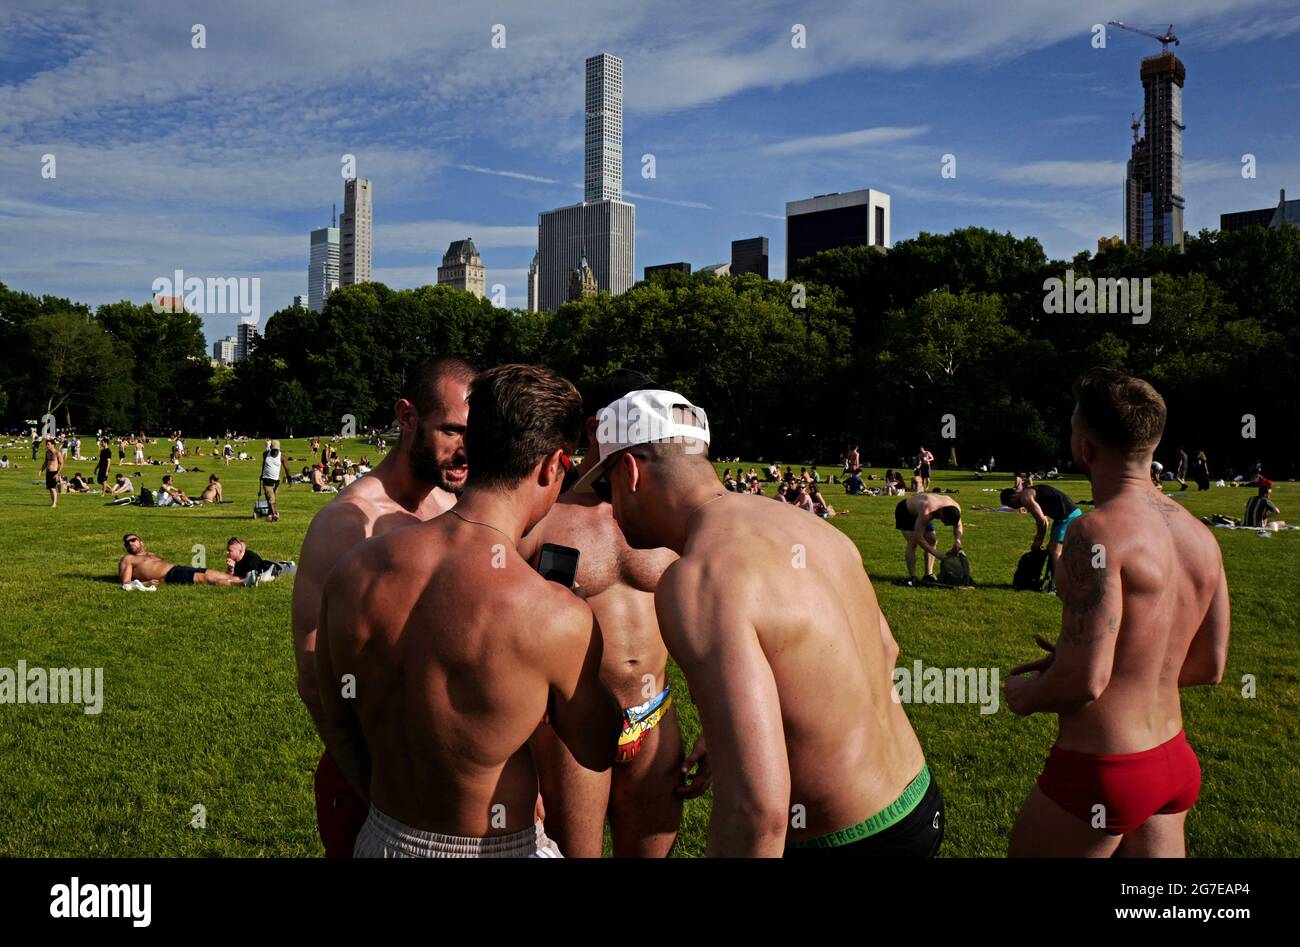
[146,497]
[955,571]
[1030,571]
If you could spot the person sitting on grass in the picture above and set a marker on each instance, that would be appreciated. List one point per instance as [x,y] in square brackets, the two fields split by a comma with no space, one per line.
[820,506]
[121,485]
[318,484]
[854,486]
[1260,509]
[141,570]
[241,561]
[799,497]
[171,495]
[213,492]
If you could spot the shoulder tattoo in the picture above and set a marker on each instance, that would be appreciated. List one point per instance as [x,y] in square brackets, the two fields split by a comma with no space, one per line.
[1083,591]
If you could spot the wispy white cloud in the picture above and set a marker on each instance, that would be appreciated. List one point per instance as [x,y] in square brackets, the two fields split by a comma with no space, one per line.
[1065,173]
[635,195]
[841,141]
[431,236]
[508,174]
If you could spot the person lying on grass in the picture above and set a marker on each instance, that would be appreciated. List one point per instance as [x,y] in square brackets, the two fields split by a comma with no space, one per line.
[141,570]
[242,561]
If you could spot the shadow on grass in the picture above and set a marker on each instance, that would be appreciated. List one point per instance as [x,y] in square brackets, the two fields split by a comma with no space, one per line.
[82,577]
[901,581]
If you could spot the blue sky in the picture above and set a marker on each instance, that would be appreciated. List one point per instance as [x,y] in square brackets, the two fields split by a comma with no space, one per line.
[218,161]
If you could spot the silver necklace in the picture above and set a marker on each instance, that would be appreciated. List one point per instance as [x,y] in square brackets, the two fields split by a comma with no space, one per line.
[466,519]
[703,505]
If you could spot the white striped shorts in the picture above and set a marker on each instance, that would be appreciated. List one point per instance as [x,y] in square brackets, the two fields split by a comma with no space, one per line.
[384,837]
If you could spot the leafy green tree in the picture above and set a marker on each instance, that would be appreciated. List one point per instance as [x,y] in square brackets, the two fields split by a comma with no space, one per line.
[75,363]
[171,366]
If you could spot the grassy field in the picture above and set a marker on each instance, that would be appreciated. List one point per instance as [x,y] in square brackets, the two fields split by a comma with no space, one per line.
[200,706]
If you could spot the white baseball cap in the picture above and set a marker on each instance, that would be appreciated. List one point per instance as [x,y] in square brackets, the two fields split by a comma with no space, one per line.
[648,416]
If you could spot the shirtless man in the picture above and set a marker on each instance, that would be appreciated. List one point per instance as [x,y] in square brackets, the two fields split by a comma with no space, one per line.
[1145,612]
[923,461]
[457,647]
[414,483]
[51,466]
[914,517]
[213,492]
[140,568]
[773,620]
[641,793]
[318,484]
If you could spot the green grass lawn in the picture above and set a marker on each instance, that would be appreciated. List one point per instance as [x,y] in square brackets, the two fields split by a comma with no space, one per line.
[200,706]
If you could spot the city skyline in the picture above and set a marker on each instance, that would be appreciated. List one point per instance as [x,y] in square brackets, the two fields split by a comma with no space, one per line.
[601,230]
[737,124]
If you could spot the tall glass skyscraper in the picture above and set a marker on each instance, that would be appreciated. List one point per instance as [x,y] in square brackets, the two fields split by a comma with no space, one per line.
[603,155]
[323,267]
[602,224]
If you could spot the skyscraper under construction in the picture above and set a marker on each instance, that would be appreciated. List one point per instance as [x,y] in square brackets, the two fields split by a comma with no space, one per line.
[1153,187]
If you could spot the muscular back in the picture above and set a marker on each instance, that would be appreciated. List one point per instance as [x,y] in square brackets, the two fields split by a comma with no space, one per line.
[619,584]
[449,685]
[770,606]
[1140,578]
[360,511]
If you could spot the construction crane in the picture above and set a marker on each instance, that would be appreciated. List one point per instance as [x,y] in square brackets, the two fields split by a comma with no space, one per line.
[1164,40]
[1135,125]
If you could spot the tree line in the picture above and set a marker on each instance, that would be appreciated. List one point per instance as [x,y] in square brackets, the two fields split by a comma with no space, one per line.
[944,340]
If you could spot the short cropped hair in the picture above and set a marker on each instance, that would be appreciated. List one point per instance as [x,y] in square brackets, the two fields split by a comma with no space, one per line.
[950,516]
[1008,494]
[517,415]
[603,392]
[420,387]
[1120,411]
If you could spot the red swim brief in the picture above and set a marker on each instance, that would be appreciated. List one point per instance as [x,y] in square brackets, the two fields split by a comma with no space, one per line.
[1131,786]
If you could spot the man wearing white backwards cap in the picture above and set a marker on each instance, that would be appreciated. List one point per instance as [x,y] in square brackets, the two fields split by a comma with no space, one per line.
[773,620]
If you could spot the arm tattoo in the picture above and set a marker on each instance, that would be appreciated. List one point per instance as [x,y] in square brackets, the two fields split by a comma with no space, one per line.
[1084,590]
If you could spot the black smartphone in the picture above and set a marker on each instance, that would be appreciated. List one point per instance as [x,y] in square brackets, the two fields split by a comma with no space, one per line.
[558,564]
